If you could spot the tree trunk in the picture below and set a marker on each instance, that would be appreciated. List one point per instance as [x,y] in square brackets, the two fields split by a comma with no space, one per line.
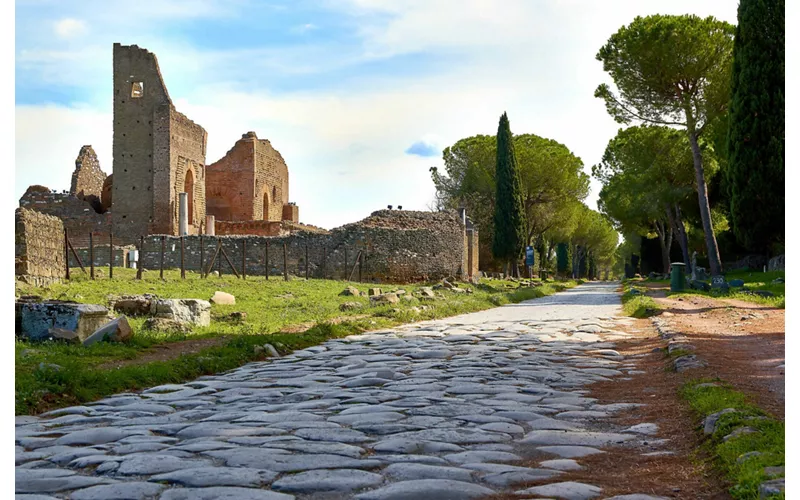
[683,239]
[705,209]
[661,230]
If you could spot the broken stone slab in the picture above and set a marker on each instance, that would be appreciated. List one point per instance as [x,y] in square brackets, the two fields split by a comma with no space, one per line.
[136,305]
[710,422]
[739,431]
[386,298]
[185,311]
[688,362]
[63,335]
[574,438]
[339,480]
[350,306]
[772,487]
[35,319]
[374,292]
[223,298]
[117,330]
[351,291]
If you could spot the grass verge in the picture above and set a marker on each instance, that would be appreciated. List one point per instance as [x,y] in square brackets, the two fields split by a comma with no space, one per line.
[745,473]
[50,375]
[636,304]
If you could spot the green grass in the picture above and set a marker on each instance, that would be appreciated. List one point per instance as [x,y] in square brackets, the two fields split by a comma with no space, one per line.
[769,440]
[636,304]
[753,281]
[272,307]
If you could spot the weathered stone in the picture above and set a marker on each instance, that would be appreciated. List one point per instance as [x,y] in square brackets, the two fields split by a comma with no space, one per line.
[350,306]
[688,362]
[567,490]
[413,471]
[440,489]
[746,456]
[285,462]
[165,325]
[374,292]
[772,487]
[223,298]
[118,330]
[185,311]
[386,298]
[93,436]
[42,480]
[34,319]
[570,451]
[339,480]
[63,335]
[736,283]
[135,305]
[351,291]
[222,493]
[574,438]
[133,490]
[202,477]
[710,422]
[564,464]
[739,431]
[156,463]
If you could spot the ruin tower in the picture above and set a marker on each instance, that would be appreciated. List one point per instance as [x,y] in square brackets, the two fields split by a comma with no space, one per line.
[88,178]
[158,152]
[251,182]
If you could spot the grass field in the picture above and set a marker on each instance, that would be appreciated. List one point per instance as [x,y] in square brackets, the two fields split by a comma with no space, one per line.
[289,315]
[769,440]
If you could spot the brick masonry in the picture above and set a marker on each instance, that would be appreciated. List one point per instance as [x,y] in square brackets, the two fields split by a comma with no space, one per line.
[88,178]
[38,247]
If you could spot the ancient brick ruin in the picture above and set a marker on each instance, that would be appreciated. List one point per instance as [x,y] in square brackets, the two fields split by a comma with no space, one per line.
[38,247]
[159,154]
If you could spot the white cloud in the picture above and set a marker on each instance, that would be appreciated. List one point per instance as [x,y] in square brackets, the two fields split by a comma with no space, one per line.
[69,27]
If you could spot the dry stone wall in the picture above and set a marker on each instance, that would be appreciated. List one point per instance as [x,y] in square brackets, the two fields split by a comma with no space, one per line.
[38,247]
[397,246]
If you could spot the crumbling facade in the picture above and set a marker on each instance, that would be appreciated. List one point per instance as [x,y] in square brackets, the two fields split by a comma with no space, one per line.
[251,182]
[38,247]
[88,178]
[158,152]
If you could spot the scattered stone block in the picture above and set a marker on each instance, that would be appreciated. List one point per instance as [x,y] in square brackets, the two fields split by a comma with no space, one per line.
[136,305]
[772,487]
[185,311]
[372,292]
[740,431]
[271,351]
[63,335]
[386,298]
[746,456]
[165,325]
[223,298]
[710,422]
[688,362]
[35,319]
[350,306]
[117,330]
[351,291]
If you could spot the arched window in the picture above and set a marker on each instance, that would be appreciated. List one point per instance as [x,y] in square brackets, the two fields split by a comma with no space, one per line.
[188,188]
[265,203]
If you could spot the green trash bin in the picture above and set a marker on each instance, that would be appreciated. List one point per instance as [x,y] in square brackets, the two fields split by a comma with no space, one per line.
[678,278]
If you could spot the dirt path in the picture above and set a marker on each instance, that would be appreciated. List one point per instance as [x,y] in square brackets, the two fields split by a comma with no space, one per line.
[742,342]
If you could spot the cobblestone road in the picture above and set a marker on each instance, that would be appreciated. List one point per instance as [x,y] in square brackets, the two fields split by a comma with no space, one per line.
[433,410]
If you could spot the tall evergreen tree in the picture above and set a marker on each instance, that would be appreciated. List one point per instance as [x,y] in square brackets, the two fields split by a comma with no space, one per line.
[509,220]
[756,133]
[563,259]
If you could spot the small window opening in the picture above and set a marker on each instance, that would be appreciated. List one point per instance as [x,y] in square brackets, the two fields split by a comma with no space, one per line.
[137,89]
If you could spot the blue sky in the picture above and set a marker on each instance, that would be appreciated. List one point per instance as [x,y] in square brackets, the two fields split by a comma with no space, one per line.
[359,96]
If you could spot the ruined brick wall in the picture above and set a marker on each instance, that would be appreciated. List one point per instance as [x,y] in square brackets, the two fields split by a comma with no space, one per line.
[77,216]
[88,178]
[102,255]
[230,184]
[251,182]
[291,213]
[154,147]
[398,246]
[38,247]
[253,227]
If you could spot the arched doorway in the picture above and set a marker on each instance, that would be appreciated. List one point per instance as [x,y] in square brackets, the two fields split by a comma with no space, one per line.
[188,188]
[265,205]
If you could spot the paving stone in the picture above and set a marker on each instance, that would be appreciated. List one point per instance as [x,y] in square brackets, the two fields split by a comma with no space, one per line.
[222,493]
[412,471]
[568,490]
[270,460]
[565,464]
[636,496]
[339,480]
[570,451]
[440,489]
[217,476]
[575,438]
[151,463]
[467,457]
[647,429]
[52,480]
[98,435]
[121,491]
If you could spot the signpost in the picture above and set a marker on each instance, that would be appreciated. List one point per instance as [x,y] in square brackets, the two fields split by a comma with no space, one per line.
[529,260]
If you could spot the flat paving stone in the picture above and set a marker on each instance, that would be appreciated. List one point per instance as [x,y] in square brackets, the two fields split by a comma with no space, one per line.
[568,490]
[133,490]
[564,464]
[440,489]
[223,493]
[217,476]
[412,471]
[575,438]
[53,480]
[570,451]
[339,480]
[147,463]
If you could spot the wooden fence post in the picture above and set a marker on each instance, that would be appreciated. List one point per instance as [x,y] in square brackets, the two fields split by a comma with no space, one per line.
[306,261]
[266,261]
[91,255]
[140,264]
[202,260]
[285,267]
[161,262]
[324,262]
[66,251]
[183,269]
[344,275]
[360,265]
[110,255]
[244,259]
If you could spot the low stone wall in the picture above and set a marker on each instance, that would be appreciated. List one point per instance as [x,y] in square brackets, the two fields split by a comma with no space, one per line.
[396,246]
[38,247]
[777,263]
[102,255]
[252,227]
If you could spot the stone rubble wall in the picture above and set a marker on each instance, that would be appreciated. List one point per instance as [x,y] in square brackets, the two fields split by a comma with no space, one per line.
[398,246]
[76,215]
[88,178]
[102,256]
[38,247]
[777,263]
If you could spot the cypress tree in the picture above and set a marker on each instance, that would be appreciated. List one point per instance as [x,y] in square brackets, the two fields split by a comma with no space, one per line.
[563,259]
[509,228]
[756,129]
